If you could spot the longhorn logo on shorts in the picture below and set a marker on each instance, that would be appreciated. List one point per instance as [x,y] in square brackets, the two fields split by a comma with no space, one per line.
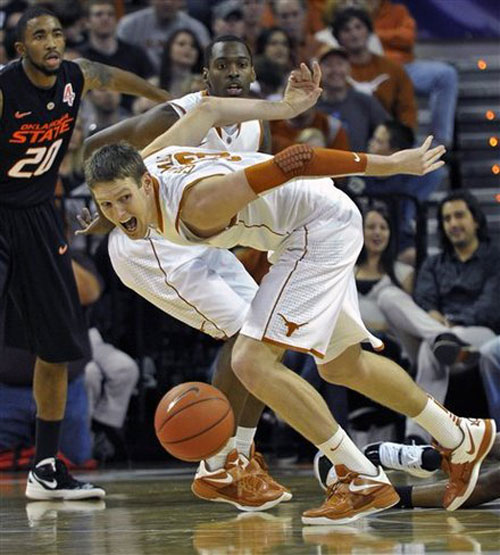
[292,327]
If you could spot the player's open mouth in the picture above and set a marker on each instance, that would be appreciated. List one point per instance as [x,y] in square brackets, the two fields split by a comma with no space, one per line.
[130,225]
[53,59]
[234,90]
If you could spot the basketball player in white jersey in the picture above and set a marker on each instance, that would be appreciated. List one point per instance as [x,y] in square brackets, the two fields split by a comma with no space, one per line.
[169,275]
[308,300]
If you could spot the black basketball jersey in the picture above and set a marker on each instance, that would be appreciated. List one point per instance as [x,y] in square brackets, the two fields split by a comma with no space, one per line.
[35,128]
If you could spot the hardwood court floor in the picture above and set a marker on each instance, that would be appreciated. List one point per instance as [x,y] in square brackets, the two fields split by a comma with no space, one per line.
[153,512]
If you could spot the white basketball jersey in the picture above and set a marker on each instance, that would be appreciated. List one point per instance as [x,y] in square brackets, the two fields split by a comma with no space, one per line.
[244,137]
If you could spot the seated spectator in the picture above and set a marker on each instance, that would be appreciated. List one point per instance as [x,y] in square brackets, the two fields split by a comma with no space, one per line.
[181,58]
[271,79]
[253,11]
[275,45]
[72,18]
[396,29]
[227,19]
[151,27]
[287,132]
[105,47]
[359,113]
[388,138]
[101,108]
[372,73]
[291,16]
[330,11]
[455,292]
[71,168]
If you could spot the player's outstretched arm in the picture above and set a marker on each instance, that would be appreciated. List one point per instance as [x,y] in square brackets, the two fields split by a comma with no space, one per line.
[139,130]
[101,76]
[302,92]
[413,161]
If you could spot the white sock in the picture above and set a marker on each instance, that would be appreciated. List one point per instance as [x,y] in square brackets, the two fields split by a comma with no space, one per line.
[440,423]
[340,449]
[219,460]
[244,440]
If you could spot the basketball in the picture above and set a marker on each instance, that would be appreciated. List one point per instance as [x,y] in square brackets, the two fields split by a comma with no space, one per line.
[193,421]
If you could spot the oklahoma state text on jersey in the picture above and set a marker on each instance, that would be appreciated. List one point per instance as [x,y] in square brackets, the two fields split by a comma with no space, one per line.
[35,129]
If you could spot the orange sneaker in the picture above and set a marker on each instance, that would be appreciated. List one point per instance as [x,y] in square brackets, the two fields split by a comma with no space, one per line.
[239,483]
[463,463]
[258,459]
[353,496]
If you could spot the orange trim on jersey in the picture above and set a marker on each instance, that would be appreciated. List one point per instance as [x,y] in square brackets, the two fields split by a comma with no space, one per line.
[183,197]
[286,281]
[261,225]
[156,190]
[181,297]
[262,134]
[293,347]
[183,110]
[379,349]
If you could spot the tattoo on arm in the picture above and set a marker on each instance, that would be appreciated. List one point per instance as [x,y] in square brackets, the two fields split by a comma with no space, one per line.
[96,75]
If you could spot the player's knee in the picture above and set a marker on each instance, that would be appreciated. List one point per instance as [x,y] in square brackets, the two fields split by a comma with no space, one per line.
[247,364]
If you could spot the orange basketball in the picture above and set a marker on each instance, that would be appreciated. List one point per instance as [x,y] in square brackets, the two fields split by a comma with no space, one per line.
[193,421]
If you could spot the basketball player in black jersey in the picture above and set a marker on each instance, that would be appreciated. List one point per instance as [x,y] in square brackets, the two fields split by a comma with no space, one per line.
[39,100]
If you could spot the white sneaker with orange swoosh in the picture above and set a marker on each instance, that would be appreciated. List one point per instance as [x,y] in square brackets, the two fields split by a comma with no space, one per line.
[352,496]
[463,463]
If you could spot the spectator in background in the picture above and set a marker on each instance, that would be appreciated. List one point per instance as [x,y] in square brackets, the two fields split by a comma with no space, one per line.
[359,113]
[181,58]
[253,11]
[151,27]
[458,291]
[105,47]
[371,73]
[288,132]
[271,79]
[227,19]
[71,168]
[275,45]
[291,16]
[330,11]
[389,137]
[396,29]
[101,109]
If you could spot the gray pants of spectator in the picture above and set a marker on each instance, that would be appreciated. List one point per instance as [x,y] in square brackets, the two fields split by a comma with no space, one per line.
[417,330]
[110,378]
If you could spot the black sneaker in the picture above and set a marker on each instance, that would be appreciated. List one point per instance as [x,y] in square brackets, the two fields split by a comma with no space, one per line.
[50,479]
[449,349]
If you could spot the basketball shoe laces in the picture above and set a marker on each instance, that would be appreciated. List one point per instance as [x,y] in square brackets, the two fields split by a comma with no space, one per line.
[246,480]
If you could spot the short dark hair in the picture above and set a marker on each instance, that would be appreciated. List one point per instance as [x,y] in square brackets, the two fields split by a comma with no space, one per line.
[476,211]
[400,136]
[344,17]
[207,55]
[116,161]
[31,13]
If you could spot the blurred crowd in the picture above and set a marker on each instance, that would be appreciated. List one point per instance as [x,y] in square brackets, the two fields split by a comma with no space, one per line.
[371,79]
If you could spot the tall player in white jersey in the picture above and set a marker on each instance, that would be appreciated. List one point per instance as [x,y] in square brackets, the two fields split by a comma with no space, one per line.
[169,275]
[308,300]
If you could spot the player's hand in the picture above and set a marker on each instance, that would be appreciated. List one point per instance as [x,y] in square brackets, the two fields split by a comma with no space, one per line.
[303,89]
[421,160]
[92,225]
